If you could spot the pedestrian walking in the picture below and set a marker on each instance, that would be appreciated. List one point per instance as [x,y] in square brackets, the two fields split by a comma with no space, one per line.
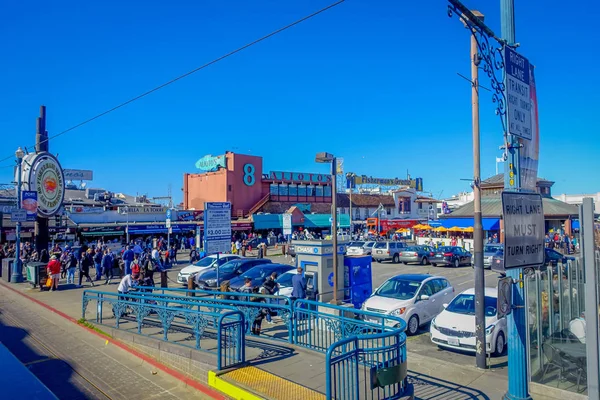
[107,266]
[98,263]
[71,267]
[54,267]
[128,256]
[84,267]
[271,287]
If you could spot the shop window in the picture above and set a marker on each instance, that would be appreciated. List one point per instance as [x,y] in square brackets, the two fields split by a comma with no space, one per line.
[301,190]
[229,188]
[327,191]
[274,189]
[310,190]
[420,206]
[293,190]
[319,191]
[283,189]
[388,211]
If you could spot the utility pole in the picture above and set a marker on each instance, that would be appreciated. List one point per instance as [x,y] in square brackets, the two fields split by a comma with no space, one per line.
[518,388]
[334,228]
[41,144]
[478,226]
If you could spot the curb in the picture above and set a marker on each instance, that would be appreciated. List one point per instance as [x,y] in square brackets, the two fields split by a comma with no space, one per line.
[175,374]
[231,390]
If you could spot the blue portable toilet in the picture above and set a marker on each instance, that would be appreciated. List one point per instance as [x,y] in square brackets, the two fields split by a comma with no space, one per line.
[358,281]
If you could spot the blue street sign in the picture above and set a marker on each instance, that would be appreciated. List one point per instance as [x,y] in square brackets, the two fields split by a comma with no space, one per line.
[168,213]
[330,279]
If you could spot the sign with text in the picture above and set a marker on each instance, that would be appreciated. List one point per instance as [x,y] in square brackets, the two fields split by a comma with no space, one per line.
[217,227]
[299,177]
[19,215]
[211,163]
[29,202]
[287,224]
[523,215]
[416,183]
[518,95]
[142,209]
[78,174]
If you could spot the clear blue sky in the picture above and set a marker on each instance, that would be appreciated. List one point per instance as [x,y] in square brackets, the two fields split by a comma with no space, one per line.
[371,81]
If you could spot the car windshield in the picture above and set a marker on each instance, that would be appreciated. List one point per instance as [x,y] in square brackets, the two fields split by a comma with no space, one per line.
[380,245]
[411,249]
[258,272]
[491,249]
[229,267]
[205,262]
[285,280]
[465,304]
[356,244]
[399,289]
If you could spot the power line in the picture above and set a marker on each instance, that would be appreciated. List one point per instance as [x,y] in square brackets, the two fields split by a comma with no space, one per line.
[216,60]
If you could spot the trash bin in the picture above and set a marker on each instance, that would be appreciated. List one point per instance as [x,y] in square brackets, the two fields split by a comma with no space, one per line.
[35,272]
[7,265]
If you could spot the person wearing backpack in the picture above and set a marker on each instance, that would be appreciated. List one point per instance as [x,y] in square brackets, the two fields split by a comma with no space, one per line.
[149,268]
[84,267]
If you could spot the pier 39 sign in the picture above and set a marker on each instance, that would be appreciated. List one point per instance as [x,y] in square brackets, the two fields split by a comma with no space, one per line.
[523,215]
[42,173]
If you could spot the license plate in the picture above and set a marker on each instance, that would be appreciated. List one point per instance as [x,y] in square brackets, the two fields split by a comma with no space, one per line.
[453,341]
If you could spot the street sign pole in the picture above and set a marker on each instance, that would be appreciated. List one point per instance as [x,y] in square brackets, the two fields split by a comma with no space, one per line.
[518,388]
[217,229]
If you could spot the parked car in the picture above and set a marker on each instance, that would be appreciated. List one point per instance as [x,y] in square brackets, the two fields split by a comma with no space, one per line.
[206,262]
[551,257]
[489,250]
[384,251]
[451,255]
[207,278]
[360,248]
[258,274]
[417,254]
[254,242]
[454,328]
[416,298]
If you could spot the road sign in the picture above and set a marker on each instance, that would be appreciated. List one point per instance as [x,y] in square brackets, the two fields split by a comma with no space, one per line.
[217,227]
[287,224]
[168,223]
[518,95]
[504,302]
[523,215]
[169,213]
[19,215]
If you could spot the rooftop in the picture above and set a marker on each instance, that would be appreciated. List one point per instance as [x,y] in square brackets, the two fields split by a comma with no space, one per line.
[365,200]
[491,206]
[498,180]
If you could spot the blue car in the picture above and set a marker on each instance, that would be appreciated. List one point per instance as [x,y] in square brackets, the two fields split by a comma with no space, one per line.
[258,275]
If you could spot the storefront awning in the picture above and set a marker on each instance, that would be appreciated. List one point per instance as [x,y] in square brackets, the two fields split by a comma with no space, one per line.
[489,224]
[275,221]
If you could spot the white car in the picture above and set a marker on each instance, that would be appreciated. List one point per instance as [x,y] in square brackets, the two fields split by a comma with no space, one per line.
[360,248]
[285,283]
[454,328]
[206,262]
[416,298]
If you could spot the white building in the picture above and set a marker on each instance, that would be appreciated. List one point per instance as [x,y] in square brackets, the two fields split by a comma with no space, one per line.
[577,199]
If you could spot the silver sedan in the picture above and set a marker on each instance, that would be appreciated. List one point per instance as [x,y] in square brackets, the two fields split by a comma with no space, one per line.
[416,254]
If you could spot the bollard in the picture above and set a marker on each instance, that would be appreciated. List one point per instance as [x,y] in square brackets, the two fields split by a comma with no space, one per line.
[190,286]
[163,279]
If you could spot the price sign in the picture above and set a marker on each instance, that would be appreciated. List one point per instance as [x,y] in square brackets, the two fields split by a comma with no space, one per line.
[217,227]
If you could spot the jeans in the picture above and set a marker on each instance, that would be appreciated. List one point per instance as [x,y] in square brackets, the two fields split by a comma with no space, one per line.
[98,271]
[127,267]
[71,275]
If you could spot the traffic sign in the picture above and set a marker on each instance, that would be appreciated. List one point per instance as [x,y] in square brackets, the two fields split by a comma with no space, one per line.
[518,94]
[287,224]
[19,215]
[168,223]
[168,219]
[217,227]
[504,301]
[169,213]
[523,215]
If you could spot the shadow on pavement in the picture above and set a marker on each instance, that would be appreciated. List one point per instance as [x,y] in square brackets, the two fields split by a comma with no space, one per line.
[427,387]
[53,372]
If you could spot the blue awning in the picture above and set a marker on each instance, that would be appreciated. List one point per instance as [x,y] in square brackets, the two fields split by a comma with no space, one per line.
[275,221]
[489,224]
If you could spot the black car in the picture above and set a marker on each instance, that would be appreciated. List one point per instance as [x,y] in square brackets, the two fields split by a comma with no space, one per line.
[451,255]
[254,242]
[551,257]
[207,279]
[259,274]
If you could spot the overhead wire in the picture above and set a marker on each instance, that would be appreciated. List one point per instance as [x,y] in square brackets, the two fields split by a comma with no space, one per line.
[216,60]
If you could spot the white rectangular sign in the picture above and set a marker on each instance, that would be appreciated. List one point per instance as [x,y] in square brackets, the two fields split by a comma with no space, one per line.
[518,95]
[523,215]
[287,224]
[19,215]
[217,227]
[78,174]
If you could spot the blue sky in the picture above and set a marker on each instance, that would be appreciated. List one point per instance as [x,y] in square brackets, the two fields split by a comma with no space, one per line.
[372,81]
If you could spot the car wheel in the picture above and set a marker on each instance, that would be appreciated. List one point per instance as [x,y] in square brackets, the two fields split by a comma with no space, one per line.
[500,344]
[396,259]
[424,261]
[412,326]
[456,263]
[433,264]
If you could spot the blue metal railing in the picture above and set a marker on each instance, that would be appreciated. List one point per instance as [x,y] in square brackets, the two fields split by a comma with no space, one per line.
[221,328]
[358,344]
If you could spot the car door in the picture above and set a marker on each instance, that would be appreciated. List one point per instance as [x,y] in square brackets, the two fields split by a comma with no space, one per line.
[443,295]
[423,307]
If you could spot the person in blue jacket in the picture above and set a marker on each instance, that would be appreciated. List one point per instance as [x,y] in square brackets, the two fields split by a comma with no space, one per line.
[128,256]
[107,266]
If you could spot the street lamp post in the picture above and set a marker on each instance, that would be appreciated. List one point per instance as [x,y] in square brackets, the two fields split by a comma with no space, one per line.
[127,225]
[350,177]
[17,270]
[330,158]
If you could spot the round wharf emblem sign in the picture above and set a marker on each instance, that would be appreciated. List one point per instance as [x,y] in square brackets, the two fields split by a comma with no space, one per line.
[42,173]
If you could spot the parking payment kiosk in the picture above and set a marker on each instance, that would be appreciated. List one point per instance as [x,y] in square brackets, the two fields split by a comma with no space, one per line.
[316,259]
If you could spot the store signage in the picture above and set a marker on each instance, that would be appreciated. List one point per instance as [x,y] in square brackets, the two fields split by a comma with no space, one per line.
[18,215]
[78,174]
[211,163]
[517,94]
[387,225]
[287,224]
[43,174]
[299,177]
[93,229]
[85,210]
[416,183]
[7,209]
[30,204]
[217,227]
[191,215]
[142,210]
[524,229]
[244,226]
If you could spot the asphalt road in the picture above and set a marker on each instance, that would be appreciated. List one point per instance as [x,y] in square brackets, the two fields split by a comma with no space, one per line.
[461,279]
